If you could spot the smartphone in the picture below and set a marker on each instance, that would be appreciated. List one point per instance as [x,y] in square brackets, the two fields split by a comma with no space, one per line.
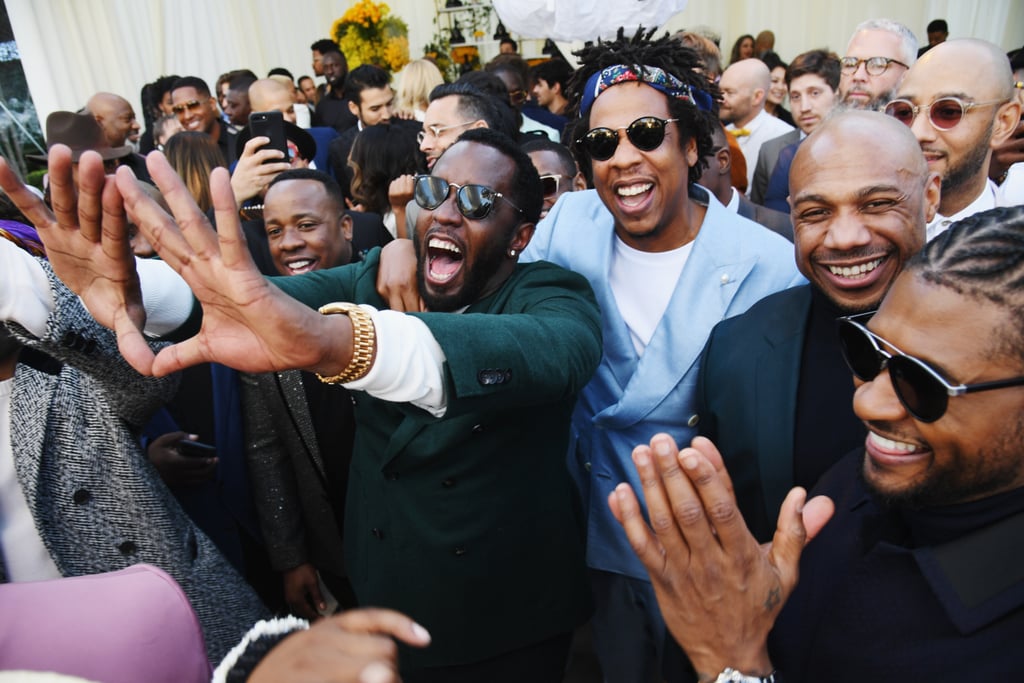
[271,125]
[196,449]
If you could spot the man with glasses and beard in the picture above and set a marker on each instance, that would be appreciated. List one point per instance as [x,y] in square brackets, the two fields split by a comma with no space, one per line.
[460,510]
[918,575]
[667,262]
[960,103]
[877,58]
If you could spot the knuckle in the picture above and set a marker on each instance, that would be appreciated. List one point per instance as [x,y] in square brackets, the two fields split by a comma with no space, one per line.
[689,513]
[722,511]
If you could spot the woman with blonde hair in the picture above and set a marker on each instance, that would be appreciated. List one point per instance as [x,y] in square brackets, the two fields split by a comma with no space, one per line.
[193,155]
[415,82]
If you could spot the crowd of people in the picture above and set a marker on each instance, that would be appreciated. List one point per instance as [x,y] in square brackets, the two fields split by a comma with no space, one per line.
[468,366]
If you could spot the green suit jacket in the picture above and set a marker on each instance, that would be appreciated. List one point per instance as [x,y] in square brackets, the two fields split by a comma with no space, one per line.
[470,523]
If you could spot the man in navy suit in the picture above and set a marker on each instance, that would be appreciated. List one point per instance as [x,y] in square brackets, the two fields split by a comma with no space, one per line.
[774,393]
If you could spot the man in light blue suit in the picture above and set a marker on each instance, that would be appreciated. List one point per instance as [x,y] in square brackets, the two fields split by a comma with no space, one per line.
[667,262]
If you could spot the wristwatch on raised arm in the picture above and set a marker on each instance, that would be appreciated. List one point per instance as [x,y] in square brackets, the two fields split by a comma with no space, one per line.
[731,675]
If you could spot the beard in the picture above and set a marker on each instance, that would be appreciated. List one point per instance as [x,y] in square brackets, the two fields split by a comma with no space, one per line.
[969,166]
[988,471]
[475,278]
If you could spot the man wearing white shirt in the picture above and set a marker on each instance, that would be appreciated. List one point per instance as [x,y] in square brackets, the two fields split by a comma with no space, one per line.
[958,114]
[744,86]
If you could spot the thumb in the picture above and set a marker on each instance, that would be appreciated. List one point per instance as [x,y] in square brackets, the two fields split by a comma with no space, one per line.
[792,534]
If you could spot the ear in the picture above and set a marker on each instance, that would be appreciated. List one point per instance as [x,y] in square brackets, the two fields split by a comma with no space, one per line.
[724,159]
[578,182]
[758,96]
[353,108]
[522,236]
[479,123]
[932,195]
[1006,122]
[691,152]
[346,227]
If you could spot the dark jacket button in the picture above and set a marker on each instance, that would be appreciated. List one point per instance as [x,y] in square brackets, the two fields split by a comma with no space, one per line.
[379,533]
[127,548]
[81,497]
[390,475]
[460,550]
[448,483]
[478,429]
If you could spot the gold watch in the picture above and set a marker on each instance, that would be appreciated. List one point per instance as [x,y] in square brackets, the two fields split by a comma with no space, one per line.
[364,342]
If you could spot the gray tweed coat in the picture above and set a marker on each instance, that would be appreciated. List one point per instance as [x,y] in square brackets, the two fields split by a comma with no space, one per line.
[98,503]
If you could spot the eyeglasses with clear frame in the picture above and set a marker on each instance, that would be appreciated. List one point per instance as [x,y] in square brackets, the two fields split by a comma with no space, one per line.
[944,113]
[437,130]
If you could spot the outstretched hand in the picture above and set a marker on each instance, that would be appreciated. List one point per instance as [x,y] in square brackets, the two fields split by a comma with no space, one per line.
[248,324]
[353,647]
[719,591]
[86,241]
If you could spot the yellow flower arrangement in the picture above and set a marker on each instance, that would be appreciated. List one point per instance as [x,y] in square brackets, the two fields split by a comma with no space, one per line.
[368,34]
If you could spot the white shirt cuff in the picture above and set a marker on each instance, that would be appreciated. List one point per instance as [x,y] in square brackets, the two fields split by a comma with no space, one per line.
[409,366]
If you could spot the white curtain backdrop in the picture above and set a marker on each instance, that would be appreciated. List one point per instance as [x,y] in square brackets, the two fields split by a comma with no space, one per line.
[73,48]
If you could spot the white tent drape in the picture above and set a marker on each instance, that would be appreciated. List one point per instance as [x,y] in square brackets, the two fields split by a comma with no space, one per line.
[73,48]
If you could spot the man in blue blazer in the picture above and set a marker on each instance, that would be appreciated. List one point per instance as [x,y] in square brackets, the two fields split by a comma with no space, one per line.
[774,393]
[667,262]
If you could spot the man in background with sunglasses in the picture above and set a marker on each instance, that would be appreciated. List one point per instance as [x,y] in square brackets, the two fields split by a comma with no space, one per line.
[959,101]
[667,262]
[919,575]
[196,110]
[877,58]
[460,510]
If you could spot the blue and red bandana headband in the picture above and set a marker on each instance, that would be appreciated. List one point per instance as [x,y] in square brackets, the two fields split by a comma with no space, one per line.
[22,235]
[653,76]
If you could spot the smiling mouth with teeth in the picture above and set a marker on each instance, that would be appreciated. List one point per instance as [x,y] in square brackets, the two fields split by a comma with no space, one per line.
[855,272]
[444,259]
[891,445]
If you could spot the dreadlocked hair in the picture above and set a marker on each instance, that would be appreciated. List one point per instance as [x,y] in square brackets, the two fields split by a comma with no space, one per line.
[639,51]
[982,257]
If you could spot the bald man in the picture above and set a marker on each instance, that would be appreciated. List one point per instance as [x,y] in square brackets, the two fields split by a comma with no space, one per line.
[117,119]
[775,394]
[959,101]
[269,94]
[744,86]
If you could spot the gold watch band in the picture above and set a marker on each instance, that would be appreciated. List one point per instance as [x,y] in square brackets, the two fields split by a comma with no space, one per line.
[364,342]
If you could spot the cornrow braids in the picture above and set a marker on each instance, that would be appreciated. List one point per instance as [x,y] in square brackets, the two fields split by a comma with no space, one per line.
[642,50]
[981,256]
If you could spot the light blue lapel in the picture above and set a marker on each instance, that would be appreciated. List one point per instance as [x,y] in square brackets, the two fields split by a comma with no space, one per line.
[710,280]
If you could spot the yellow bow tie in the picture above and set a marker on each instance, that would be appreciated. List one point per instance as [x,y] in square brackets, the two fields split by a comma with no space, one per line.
[740,132]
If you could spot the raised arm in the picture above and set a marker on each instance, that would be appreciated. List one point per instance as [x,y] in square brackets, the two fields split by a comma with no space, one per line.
[719,591]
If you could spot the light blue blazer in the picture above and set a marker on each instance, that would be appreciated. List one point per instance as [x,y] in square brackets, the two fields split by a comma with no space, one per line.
[734,263]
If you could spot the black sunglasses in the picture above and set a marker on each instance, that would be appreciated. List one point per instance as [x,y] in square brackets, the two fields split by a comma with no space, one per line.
[922,391]
[646,134]
[472,201]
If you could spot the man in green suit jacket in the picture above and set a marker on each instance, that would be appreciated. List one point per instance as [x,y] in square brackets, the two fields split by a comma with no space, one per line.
[460,509]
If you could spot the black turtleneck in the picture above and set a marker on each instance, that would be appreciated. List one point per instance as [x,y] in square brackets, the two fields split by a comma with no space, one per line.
[826,428]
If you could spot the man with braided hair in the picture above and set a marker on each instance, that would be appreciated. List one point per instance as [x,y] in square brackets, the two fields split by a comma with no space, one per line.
[919,574]
[667,262]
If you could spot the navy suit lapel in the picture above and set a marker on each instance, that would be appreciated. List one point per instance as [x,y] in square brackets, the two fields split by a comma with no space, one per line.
[775,384]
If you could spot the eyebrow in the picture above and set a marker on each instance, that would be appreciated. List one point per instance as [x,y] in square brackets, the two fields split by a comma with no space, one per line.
[860,194]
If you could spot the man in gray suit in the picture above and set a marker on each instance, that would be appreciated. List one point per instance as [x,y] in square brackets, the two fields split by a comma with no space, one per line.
[813,83]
